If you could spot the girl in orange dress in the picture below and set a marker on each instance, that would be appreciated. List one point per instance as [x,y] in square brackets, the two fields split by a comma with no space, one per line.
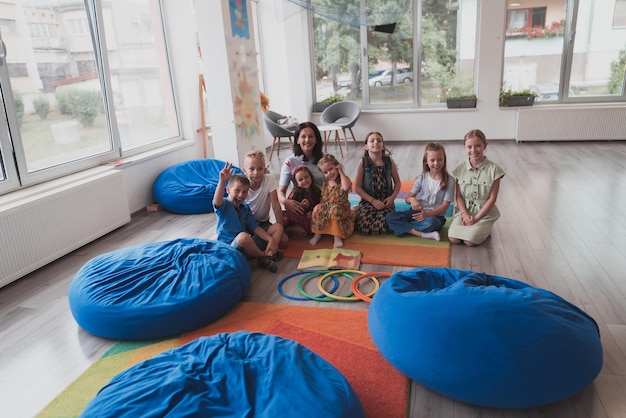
[332,216]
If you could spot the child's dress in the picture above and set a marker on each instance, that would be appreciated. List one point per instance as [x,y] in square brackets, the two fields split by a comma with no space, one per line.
[475,186]
[303,220]
[332,216]
[370,220]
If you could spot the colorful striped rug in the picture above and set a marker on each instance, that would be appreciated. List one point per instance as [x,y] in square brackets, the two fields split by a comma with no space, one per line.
[340,336]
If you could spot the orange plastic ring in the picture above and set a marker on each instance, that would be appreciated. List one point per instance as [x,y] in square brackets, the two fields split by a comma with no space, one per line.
[356,280]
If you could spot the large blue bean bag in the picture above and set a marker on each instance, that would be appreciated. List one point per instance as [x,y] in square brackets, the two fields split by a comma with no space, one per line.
[230,375]
[188,187]
[159,289]
[484,340]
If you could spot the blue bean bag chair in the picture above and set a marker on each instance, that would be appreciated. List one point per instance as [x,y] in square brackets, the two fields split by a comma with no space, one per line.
[188,187]
[484,340]
[159,289]
[230,375]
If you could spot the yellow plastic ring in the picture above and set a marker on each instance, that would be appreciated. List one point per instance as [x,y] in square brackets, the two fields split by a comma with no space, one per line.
[320,285]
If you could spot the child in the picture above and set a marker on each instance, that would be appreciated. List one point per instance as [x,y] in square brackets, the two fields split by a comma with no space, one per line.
[378,183]
[308,194]
[477,186]
[262,197]
[435,187]
[333,215]
[235,222]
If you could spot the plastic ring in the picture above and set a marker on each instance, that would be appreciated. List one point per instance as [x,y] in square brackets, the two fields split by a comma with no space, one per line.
[320,285]
[355,282]
[320,298]
[282,282]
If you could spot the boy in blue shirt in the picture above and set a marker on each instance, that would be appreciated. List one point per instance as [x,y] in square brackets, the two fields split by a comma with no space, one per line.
[235,222]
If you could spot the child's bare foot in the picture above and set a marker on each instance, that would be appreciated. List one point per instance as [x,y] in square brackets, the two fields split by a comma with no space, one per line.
[338,242]
[316,238]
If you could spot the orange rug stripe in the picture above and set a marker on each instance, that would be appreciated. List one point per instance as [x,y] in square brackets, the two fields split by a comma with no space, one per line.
[387,250]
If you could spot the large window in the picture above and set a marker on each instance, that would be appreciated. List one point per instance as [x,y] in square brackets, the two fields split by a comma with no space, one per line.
[408,53]
[70,102]
[588,66]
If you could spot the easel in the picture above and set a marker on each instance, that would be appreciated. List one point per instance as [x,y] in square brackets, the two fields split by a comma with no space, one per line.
[203,130]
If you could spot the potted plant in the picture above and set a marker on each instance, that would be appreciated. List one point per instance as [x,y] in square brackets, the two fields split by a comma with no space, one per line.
[458,92]
[333,98]
[461,101]
[510,98]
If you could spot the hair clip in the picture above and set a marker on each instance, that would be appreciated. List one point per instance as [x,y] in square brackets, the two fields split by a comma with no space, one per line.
[296,168]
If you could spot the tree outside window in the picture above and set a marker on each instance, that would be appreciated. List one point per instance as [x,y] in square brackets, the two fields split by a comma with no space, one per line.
[390,72]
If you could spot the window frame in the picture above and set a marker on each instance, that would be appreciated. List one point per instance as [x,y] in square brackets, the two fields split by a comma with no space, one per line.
[568,56]
[14,172]
[417,99]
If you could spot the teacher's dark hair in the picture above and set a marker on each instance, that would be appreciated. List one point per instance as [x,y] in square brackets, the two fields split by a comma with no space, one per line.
[317,149]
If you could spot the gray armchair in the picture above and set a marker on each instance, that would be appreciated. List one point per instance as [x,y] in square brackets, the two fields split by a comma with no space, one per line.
[278,131]
[343,114]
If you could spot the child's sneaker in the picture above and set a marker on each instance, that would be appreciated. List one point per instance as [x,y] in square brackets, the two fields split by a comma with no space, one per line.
[278,255]
[268,263]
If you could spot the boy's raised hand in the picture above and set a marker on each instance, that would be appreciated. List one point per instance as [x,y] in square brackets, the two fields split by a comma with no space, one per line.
[227,172]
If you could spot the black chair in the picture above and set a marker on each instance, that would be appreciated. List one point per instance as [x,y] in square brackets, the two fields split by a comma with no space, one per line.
[278,131]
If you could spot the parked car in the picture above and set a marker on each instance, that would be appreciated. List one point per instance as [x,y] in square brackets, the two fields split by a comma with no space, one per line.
[403,75]
[547,92]
[344,81]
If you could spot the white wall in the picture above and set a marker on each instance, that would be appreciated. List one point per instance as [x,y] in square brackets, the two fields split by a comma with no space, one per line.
[287,58]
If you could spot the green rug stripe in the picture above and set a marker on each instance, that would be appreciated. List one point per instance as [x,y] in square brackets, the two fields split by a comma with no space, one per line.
[124,346]
[72,401]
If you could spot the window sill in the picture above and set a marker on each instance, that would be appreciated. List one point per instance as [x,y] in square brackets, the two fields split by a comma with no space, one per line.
[15,197]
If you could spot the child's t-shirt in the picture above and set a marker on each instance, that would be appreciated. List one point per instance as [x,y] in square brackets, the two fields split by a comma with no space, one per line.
[259,200]
[232,220]
[429,193]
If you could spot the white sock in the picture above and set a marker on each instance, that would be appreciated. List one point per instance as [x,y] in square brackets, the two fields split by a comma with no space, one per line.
[338,242]
[316,238]
[431,235]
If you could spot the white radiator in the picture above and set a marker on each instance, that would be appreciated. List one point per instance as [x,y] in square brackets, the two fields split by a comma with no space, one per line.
[40,228]
[573,124]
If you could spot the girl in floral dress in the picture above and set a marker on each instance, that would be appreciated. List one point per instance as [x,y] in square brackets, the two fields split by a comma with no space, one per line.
[378,183]
[332,216]
[308,194]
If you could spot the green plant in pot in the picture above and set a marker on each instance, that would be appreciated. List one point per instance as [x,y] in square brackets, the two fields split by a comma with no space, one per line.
[460,94]
[333,98]
[510,97]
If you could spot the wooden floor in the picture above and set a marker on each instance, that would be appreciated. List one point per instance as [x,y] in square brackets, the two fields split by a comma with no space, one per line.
[563,228]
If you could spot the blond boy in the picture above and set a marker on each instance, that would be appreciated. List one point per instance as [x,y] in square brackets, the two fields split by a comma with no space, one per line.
[263,199]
